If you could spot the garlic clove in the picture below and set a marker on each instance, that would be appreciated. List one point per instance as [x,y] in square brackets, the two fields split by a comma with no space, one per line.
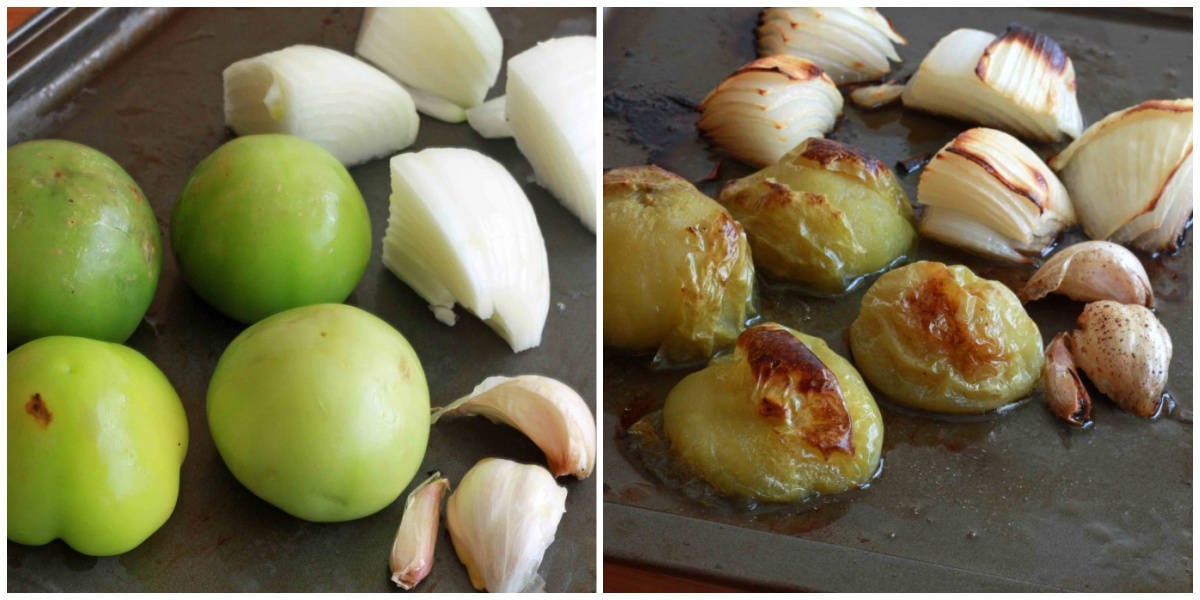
[987,192]
[768,107]
[412,551]
[1067,397]
[1022,82]
[552,414]
[1090,271]
[870,97]
[1125,351]
[849,44]
[502,518]
[1130,174]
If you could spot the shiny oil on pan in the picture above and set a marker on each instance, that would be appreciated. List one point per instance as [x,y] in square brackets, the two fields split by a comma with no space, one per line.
[992,503]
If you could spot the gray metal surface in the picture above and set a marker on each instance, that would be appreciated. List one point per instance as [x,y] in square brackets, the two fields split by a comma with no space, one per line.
[156,109]
[996,503]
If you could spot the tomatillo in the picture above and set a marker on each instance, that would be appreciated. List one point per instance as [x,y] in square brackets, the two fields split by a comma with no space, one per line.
[322,411]
[96,438]
[84,251]
[270,222]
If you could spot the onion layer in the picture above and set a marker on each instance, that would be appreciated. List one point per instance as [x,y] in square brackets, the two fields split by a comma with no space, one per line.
[850,44]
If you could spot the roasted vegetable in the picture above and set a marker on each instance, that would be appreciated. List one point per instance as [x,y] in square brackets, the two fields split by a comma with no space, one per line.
[678,275]
[1125,351]
[780,419]
[851,44]
[825,215]
[941,339]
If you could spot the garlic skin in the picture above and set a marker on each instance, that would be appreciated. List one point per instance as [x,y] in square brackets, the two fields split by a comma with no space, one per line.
[546,410]
[1125,351]
[768,107]
[1090,271]
[1021,82]
[502,518]
[870,97]
[850,44]
[1130,175]
[449,52]
[988,193]
[338,102]
[412,551]
[1065,394]
[460,230]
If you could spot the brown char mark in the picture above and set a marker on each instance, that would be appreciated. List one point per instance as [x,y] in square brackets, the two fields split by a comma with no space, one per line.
[1032,195]
[1041,45]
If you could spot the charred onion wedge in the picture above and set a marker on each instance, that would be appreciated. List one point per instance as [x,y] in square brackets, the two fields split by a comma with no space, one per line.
[1130,175]
[851,44]
[1021,82]
[768,107]
[941,339]
[780,419]
[988,193]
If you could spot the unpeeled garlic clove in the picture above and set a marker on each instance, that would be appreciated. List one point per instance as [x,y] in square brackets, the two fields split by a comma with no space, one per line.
[546,410]
[412,550]
[1091,271]
[1065,394]
[502,518]
[1125,351]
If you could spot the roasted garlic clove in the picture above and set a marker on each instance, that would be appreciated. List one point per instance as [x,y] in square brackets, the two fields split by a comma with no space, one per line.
[1065,394]
[552,414]
[987,192]
[412,551]
[1090,271]
[1022,82]
[851,44]
[824,216]
[780,419]
[1125,351]
[678,275]
[940,338]
[768,107]
[502,518]
[1130,174]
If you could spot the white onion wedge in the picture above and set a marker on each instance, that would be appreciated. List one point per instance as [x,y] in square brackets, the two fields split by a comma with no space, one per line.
[338,102]
[488,120]
[768,107]
[450,52]
[1021,82]
[461,230]
[502,518]
[1130,174]
[850,44]
[987,192]
[546,410]
[553,100]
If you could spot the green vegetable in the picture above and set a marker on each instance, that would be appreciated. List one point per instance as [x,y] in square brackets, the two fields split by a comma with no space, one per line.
[84,251]
[270,222]
[322,411]
[96,438]
[825,215]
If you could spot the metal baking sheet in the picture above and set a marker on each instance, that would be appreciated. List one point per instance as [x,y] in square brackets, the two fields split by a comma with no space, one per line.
[997,503]
[154,105]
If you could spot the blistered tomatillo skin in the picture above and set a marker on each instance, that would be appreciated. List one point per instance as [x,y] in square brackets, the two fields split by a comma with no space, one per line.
[678,276]
[939,338]
[84,250]
[823,216]
[270,222]
[322,411]
[780,419]
[96,438]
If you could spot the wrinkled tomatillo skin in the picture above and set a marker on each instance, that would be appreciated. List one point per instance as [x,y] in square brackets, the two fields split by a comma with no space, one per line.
[823,216]
[270,222]
[780,419]
[96,438]
[84,250]
[678,276]
[941,339]
[322,411]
